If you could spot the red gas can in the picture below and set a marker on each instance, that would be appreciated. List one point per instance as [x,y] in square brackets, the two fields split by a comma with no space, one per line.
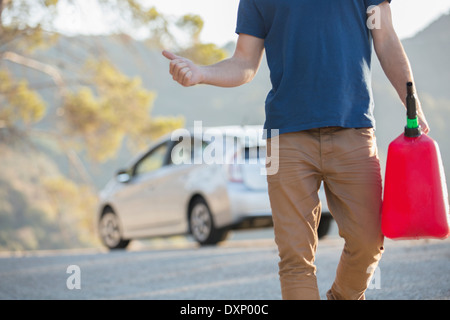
[415,203]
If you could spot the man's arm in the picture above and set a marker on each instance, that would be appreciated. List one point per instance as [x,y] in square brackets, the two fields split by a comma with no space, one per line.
[393,58]
[235,71]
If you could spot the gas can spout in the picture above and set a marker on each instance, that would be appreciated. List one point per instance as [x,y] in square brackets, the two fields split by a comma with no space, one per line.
[412,129]
[410,88]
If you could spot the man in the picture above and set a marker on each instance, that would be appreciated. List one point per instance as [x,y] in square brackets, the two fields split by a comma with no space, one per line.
[319,55]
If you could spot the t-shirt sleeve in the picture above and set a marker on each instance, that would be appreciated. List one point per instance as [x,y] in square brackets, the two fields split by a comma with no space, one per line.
[375,2]
[249,19]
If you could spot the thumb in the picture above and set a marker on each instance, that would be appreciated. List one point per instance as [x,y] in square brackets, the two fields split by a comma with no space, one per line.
[169,55]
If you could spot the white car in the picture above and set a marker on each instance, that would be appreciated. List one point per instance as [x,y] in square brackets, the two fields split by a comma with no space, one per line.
[188,183]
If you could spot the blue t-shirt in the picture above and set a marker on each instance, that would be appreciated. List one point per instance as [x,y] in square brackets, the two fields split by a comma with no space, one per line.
[319,55]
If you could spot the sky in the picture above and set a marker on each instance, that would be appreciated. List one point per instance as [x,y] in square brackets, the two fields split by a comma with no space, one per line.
[409,16]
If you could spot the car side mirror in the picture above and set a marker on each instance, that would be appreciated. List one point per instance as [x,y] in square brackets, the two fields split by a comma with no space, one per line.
[123,176]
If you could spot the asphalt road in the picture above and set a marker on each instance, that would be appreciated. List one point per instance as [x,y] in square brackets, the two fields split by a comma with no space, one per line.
[243,268]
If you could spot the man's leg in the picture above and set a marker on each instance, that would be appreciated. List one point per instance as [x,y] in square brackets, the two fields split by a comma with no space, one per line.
[293,193]
[353,187]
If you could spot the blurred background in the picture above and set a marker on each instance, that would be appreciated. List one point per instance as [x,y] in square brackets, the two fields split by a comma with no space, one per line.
[83,88]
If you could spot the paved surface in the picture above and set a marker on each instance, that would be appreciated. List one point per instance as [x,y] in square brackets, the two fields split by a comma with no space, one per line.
[245,267]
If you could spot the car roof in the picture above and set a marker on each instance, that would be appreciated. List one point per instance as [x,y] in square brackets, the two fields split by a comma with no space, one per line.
[251,135]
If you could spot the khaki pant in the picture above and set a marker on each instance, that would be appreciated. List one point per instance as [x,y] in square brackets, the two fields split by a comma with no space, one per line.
[346,161]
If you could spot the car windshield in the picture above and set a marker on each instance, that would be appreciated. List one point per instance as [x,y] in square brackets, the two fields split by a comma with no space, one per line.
[153,161]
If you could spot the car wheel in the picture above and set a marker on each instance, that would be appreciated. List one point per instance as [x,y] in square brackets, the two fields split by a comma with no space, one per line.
[110,233]
[201,224]
[324,226]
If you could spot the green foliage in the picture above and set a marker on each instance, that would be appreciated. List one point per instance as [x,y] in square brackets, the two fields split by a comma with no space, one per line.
[205,54]
[22,225]
[121,107]
[193,24]
[74,205]
[109,105]
[18,103]
[19,28]
[97,107]
[50,3]
[162,125]
[201,53]
[39,208]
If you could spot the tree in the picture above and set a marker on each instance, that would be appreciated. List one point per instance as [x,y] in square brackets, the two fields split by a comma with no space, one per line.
[20,106]
[101,88]
[98,106]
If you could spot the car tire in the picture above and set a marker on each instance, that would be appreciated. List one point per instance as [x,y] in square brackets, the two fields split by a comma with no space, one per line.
[201,224]
[324,226]
[110,231]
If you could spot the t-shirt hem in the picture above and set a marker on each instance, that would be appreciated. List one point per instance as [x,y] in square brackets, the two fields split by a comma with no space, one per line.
[378,2]
[250,32]
[271,132]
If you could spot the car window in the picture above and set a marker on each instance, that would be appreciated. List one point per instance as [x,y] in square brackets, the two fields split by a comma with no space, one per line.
[257,152]
[181,152]
[185,151]
[153,161]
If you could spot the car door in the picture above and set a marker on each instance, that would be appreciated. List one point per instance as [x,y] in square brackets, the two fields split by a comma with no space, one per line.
[174,187]
[142,200]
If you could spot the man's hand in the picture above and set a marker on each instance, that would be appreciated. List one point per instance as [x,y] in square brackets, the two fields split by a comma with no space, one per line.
[422,120]
[183,70]
[228,73]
